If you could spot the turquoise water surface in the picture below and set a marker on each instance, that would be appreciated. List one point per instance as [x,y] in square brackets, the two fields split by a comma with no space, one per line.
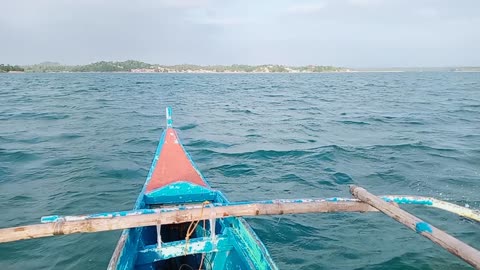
[83,143]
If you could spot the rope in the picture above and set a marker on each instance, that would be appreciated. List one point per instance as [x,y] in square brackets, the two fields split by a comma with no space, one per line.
[191,229]
[181,266]
[58,228]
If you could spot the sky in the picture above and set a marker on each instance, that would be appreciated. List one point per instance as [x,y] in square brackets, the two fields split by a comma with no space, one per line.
[347,33]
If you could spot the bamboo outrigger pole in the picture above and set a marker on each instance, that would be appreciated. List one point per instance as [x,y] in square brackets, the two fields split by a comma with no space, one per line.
[186,214]
[448,242]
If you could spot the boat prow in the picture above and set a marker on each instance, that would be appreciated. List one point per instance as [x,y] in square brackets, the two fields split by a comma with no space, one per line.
[174,180]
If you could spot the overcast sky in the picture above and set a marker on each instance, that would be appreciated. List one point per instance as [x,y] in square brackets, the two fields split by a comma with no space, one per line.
[351,33]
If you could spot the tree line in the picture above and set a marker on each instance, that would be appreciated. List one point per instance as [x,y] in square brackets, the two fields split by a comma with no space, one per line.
[129,65]
[9,68]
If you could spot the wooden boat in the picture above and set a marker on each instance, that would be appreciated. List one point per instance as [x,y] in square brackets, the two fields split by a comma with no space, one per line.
[173,180]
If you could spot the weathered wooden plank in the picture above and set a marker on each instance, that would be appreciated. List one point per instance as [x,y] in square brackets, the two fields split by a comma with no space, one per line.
[399,199]
[448,242]
[107,223]
[172,208]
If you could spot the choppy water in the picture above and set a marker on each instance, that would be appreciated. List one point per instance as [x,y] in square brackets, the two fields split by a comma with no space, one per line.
[82,143]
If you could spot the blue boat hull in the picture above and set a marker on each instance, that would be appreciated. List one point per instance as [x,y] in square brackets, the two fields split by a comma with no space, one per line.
[217,243]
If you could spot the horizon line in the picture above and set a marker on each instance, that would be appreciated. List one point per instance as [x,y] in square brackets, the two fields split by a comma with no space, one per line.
[265,64]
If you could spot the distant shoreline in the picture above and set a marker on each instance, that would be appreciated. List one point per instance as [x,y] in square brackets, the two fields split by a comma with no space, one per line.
[133,66]
[142,67]
[230,72]
[239,73]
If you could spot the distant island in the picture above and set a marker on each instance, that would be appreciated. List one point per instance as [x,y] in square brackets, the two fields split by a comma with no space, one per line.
[133,66]
[141,67]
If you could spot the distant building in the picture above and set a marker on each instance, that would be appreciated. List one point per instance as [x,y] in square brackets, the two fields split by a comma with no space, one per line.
[144,70]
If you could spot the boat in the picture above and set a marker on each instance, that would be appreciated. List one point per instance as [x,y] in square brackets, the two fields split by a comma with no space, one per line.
[219,243]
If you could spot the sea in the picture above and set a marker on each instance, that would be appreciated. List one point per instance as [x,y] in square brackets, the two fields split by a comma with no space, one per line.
[80,143]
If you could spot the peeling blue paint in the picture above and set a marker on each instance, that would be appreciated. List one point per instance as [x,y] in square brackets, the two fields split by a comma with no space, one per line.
[423,227]
[338,199]
[175,249]
[180,192]
[168,115]
[49,219]
[407,200]
[122,213]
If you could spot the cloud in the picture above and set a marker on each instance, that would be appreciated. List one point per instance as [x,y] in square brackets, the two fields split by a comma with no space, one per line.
[185,4]
[306,8]
[365,3]
[427,12]
[338,32]
[224,21]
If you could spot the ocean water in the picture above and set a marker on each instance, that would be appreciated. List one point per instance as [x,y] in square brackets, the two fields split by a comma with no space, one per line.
[83,143]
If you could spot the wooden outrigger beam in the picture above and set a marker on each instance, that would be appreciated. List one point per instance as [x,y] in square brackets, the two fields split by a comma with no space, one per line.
[151,217]
[366,202]
[448,242]
[354,203]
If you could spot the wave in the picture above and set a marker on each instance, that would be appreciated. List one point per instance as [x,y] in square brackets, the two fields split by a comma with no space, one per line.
[274,95]
[17,156]
[299,141]
[246,111]
[397,120]
[142,82]
[235,170]
[351,122]
[207,144]
[67,161]
[187,127]
[20,198]
[5,139]
[68,136]
[37,116]
[342,178]
[291,177]
[253,136]
[137,141]
[269,154]
[260,154]
[122,174]
[416,260]
[465,109]
[413,146]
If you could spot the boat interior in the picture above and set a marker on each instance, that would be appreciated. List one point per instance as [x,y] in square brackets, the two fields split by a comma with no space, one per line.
[227,243]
